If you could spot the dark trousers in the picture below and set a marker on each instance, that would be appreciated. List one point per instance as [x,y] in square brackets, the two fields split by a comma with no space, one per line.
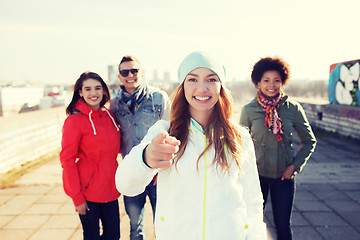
[282,194]
[134,207]
[108,213]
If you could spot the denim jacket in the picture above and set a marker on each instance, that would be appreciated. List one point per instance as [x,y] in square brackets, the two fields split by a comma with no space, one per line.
[153,107]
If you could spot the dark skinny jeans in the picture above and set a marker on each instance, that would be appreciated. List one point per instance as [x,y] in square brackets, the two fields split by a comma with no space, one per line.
[108,213]
[282,193]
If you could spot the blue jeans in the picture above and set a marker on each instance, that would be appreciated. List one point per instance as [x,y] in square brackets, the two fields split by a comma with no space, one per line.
[134,207]
[282,194]
[108,213]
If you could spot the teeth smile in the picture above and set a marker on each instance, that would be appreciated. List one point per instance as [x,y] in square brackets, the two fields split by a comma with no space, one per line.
[202,98]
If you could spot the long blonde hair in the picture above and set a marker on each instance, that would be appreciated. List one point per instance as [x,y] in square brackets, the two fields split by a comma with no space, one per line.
[222,132]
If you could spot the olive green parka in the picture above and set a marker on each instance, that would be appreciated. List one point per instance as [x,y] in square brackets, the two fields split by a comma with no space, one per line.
[272,157]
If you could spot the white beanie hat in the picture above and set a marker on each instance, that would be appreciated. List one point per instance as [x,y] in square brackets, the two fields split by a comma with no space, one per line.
[200,59]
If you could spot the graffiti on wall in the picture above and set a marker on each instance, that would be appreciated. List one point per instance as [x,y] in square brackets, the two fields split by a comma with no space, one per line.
[344,83]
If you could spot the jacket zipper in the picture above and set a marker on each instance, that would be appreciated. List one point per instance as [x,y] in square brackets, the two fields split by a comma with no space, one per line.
[205,175]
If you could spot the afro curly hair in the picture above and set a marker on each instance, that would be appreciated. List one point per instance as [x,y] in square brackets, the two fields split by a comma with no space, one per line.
[270,64]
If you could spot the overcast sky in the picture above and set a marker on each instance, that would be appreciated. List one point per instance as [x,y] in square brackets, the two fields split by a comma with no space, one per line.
[55,41]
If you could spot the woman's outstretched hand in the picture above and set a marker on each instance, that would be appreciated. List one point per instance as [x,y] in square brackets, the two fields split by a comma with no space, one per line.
[161,151]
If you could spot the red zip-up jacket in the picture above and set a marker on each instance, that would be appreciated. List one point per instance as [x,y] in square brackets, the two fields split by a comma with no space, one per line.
[90,145]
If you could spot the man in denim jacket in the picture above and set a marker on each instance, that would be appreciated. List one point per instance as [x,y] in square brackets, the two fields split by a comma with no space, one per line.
[137,107]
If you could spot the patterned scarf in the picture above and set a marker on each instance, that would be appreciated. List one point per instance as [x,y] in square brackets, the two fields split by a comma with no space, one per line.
[133,98]
[272,119]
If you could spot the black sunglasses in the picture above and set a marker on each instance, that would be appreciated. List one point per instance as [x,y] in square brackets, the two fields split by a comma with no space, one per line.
[125,73]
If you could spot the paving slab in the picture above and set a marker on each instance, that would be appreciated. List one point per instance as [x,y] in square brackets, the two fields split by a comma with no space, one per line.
[297,219]
[313,186]
[53,198]
[343,205]
[37,189]
[18,204]
[5,198]
[349,186]
[42,208]
[324,219]
[13,191]
[331,195]
[53,234]
[353,217]
[47,175]
[4,220]
[27,222]
[15,234]
[66,208]
[305,233]
[69,221]
[302,194]
[339,233]
[79,235]
[311,206]
[354,195]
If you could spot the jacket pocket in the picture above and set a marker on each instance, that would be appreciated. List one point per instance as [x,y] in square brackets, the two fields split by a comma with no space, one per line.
[89,182]
[86,173]
[124,119]
[151,115]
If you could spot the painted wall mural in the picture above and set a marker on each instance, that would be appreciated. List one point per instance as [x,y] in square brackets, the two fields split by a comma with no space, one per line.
[344,83]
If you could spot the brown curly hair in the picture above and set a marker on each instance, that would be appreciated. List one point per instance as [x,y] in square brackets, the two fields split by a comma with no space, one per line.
[270,64]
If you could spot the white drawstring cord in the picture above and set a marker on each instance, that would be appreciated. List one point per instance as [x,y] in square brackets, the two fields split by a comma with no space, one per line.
[112,119]
[92,124]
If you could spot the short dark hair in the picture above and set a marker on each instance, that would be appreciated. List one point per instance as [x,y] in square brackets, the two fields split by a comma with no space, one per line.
[127,58]
[270,64]
[78,85]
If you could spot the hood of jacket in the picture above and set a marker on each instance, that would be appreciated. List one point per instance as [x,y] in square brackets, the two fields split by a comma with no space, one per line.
[83,108]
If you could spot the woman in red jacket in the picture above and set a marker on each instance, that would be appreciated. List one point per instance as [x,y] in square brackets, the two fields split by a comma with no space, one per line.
[90,146]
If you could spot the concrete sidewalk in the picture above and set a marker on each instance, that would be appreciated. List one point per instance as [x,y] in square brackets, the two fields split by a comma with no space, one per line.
[327,201]
[36,208]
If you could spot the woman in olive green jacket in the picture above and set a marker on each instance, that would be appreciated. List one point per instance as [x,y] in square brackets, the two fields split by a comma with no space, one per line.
[272,119]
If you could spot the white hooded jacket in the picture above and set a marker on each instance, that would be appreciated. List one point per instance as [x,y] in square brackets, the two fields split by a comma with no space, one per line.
[198,204]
